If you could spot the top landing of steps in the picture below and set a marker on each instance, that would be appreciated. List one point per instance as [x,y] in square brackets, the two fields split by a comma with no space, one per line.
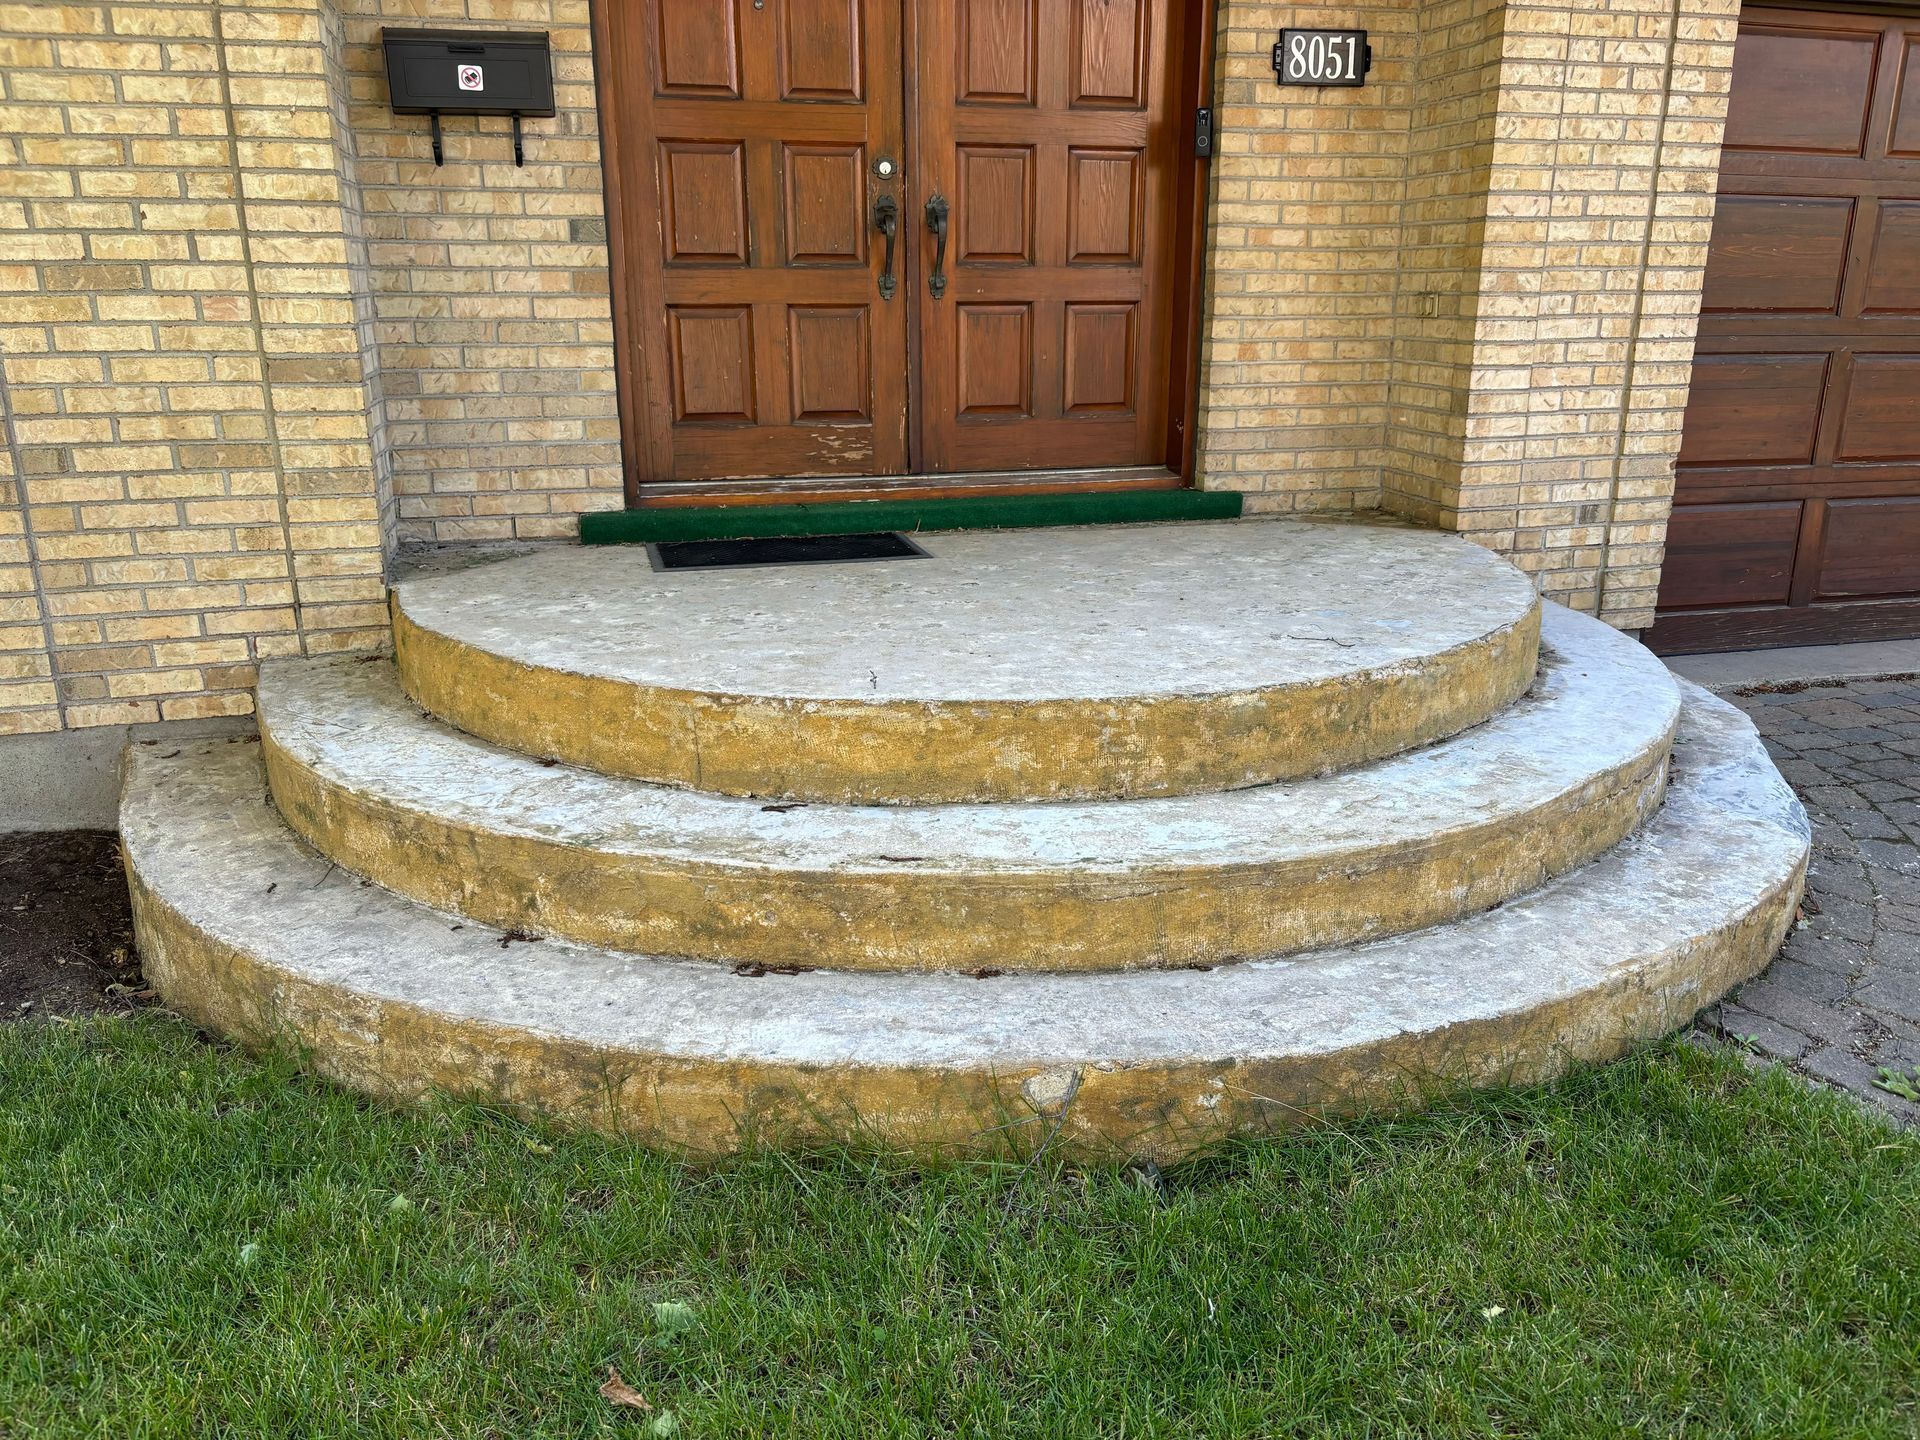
[1039,665]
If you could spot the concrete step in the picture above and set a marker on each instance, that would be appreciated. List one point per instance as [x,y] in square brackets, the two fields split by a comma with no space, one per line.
[250,932]
[1427,836]
[1133,661]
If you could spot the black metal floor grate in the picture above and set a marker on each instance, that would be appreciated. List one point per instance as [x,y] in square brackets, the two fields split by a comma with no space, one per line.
[782,550]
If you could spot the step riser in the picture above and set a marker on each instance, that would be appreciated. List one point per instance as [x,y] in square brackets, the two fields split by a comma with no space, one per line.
[1162,1111]
[841,751]
[966,920]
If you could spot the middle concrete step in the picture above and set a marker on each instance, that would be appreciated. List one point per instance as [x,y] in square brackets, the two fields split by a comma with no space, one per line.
[1428,836]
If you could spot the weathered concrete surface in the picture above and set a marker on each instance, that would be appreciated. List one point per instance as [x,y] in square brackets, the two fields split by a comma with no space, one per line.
[1427,836]
[1789,664]
[1107,662]
[71,780]
[250,932]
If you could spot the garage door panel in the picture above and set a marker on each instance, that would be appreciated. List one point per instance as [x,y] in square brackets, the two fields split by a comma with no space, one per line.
[1729,555]
[1753,409]
[1882,416]
[1905,137]
[1829,74]
[1871,548]
[1775,253]
[1893,271]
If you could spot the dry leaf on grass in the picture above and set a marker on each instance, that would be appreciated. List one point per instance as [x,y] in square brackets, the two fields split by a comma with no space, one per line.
[618,1392]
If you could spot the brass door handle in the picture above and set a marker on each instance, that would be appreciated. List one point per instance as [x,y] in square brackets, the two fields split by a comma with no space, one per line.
[937,222]
[886,219]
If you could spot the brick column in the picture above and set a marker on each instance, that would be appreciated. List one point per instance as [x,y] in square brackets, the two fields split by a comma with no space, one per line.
[300,226]
[1600,202]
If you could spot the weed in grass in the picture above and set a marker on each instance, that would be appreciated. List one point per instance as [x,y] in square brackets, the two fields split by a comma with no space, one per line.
[197,1243]
[1904,1083]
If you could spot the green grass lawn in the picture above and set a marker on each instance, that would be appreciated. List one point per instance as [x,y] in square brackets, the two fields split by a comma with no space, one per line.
[196,1242]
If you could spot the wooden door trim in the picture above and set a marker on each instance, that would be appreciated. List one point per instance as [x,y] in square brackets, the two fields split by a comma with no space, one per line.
[626,385]
[1193,78]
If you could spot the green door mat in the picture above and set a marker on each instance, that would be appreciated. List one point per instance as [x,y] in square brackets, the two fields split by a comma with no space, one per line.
[855,517]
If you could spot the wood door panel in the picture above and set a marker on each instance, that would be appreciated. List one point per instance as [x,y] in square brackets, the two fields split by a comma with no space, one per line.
[1829,74]
[1871,549]
[995,378]
[1799,479]
[1773,253]
[696,49]
[1893,266]
[993,200]
[1879,421]
[703,195]
[824,192]
[998,52]
[1053,140]
[1104,194]
[1111,45]
[1100,371]
[1753,409]
[1905,139]
[713,363]
[823,51]
[832,350]
[1729,554]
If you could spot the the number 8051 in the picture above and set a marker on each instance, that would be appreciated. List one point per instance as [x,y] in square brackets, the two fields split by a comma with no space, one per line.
[1321,57]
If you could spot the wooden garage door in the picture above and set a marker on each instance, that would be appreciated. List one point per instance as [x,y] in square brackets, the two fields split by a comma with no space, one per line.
[1797,510]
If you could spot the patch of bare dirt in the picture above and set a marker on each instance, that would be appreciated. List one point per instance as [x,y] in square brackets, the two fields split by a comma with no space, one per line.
[66,934]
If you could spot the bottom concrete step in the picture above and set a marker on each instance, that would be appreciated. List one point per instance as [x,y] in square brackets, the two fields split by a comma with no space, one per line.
[248,931]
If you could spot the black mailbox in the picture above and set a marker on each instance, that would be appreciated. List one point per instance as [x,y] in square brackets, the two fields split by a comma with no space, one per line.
[469,72]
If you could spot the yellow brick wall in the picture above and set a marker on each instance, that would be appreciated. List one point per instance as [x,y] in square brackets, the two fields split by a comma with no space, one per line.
[1304,238]
[191,482]
[489,290]
[1455,99]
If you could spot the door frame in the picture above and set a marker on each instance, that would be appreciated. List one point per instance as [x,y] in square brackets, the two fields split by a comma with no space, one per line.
[1193,82]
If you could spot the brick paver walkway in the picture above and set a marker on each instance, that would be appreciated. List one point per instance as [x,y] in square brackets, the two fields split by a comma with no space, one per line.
[1842,1002]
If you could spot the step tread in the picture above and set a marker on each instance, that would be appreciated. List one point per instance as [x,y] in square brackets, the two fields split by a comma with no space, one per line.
[204,846]
[1093,663]
[1603,708]
[1006,617]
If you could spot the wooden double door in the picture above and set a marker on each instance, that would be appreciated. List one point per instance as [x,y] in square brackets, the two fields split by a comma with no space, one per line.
[1797,503]
[878,244]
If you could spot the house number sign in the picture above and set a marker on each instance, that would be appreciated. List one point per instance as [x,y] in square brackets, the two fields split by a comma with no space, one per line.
[1322,57]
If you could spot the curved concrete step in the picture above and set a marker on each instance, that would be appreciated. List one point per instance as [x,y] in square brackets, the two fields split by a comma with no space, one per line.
[253,934]
[1009,666]
[1424,837]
